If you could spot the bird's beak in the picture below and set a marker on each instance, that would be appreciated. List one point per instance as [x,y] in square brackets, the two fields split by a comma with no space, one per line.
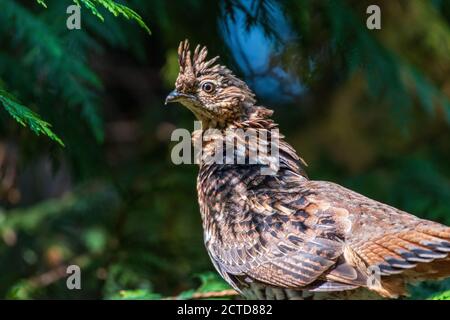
[172,97]
[176,96]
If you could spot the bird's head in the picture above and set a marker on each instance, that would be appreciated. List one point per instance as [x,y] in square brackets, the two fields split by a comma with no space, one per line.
[211,91]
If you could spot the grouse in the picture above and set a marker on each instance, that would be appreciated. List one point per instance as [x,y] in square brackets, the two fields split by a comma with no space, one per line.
[276,234]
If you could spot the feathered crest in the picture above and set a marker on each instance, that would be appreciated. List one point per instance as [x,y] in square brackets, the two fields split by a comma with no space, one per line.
[197,64]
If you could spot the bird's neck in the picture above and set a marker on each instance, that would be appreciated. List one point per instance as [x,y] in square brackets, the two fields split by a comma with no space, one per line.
[253,140]
[244,114]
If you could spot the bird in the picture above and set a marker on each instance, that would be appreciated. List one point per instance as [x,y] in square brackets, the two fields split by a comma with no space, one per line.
[283,235]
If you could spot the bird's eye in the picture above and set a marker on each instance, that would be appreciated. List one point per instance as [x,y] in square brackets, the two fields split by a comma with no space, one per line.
[208,87]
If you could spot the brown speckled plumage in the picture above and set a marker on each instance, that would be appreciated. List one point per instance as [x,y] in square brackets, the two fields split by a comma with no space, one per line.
[284,236]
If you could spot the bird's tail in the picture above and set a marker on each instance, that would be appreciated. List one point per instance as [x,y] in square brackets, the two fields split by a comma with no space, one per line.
[421,253]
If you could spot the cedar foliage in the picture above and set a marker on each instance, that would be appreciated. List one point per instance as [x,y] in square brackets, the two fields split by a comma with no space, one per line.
[97,187]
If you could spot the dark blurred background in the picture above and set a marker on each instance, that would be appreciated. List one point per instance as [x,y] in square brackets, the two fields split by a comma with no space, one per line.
[368,109]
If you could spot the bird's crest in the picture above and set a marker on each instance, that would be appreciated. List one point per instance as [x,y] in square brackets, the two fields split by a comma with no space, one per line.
[233,100]
[197,65]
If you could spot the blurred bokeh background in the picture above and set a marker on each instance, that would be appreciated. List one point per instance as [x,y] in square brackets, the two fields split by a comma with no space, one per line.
[368,109]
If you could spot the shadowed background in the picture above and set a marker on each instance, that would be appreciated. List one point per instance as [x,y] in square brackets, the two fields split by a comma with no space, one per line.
[368,109]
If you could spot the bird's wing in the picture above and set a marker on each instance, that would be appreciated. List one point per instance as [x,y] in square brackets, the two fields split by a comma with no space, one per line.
[318,234]
[284,239]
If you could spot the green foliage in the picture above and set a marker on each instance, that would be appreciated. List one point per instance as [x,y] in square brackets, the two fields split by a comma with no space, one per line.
[66,71]
[430,290]
[42,3]
[210,283]
[26,117]
[139,294]
[67,64]
[441,296]
[380,60]
[113,7]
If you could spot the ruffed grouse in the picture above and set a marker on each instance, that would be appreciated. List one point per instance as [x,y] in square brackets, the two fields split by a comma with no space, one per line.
[283,236]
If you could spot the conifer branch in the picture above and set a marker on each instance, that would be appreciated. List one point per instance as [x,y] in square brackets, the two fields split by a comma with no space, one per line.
[27,117]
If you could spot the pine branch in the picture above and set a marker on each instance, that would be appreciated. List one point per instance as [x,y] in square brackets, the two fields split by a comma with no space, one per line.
[26,117]
[115,8]
[228,293]
[75,78]
[66,69]
[42,3]
[26,288]
[215,294]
